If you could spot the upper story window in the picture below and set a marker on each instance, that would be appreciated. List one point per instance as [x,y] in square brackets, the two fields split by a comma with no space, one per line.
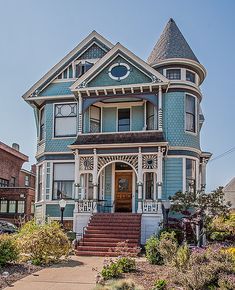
[149,116]
[39,196]
[81,68]
[65,124]
[63,180]
[119,71]
[190,175]
[42,125]
[4,182]
[123,120]
[190,113]
[173,74]
[26,180]
[95,116]
[190,76]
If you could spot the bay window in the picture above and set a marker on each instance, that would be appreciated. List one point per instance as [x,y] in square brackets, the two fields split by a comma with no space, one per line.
[63,180]
[190,113]
[65,123]
[190,175]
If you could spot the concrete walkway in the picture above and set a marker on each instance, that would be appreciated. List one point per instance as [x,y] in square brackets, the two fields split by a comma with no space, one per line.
[76,274]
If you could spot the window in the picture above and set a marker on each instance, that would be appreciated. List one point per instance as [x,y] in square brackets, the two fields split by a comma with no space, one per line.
[149,185]
[20,206]
[26,180]
[3,206]
[190,175]
[190,112]
[42,125]
[150,116]
[190,76]
[12,206]
[13,181]
[123,120]
[81,68]
[94,119]
[63,180]
[119,71]
[173,74]
[4,182]
[65,120]
[39,183]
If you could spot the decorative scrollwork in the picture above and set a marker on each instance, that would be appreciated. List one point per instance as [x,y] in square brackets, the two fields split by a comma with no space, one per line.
[86,163]
[130,159]
[149,161]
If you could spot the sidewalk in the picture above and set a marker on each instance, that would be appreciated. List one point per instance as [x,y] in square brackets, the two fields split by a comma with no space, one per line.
[75,274]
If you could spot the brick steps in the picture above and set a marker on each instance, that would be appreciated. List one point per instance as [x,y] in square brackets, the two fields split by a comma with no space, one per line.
[104,231]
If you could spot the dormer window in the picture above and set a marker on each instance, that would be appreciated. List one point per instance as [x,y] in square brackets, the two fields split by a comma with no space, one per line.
[173,74]
[190,76]
[81,68]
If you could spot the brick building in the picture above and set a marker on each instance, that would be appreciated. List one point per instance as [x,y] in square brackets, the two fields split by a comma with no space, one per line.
[17,185]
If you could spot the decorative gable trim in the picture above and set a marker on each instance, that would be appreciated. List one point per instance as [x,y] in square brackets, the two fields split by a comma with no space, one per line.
[104,61]
[52,74]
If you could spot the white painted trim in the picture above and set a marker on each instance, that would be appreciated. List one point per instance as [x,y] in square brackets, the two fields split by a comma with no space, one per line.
[119,64]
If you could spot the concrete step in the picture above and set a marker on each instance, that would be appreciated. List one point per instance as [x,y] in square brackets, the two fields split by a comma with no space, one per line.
[104,244]
[109,239]
[111,228]
[111,231]
[113,235]
[96,254]
[101,249]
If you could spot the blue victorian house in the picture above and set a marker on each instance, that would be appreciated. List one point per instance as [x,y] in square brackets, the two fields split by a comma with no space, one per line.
[117,136]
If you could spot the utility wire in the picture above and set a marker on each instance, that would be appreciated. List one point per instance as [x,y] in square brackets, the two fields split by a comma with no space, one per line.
[223,154]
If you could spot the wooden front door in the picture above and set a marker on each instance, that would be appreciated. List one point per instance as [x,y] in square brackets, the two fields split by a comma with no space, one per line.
[123,192]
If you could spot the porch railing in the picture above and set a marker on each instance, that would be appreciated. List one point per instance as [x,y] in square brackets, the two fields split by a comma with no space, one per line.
[152,206]
[86,205]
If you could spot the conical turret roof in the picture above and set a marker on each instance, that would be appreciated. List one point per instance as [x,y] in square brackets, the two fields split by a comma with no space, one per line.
[171,44]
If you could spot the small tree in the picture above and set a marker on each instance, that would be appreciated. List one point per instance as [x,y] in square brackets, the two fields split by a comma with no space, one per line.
[201,208]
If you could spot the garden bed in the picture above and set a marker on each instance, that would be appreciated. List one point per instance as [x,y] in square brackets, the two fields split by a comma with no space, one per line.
[16,272]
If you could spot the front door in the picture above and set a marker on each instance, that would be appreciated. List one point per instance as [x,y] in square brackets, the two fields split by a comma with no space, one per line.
[123,191]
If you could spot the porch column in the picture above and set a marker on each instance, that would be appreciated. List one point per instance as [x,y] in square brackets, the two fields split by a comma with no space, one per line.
[140,182]
[95,180]
[77,174]
[80,125]
[159,172]
[160,108]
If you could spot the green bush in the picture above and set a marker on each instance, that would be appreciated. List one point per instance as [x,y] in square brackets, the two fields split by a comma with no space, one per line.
[8,249]
[219,236]
[152,251]
[111,270]
[168,246]
[126,264]
[160,285]
[42,244]
[181,258]
[222,228]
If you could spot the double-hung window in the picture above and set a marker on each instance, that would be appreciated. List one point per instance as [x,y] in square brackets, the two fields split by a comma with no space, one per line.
[123,120]
[65,120]
[190,175]
[190,113]
[94,119]
[173,74]
[63,180]
[42,125]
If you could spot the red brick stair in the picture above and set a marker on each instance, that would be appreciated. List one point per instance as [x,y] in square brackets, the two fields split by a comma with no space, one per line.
[105,230]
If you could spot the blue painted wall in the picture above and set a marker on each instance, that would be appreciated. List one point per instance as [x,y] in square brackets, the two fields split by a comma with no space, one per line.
[172,176]
[109,119]
[57,89]
[174,121]
[137,118]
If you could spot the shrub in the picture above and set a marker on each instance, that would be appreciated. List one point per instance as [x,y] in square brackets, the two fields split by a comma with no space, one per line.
[8,249]
[168,246]
[160,284]
[223,228]
[111,270]
[226,282]
[152,251]
[42,244]
[126,264]
[181,258]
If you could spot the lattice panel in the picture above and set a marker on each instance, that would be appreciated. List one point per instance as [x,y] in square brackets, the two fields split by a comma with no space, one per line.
[131,159]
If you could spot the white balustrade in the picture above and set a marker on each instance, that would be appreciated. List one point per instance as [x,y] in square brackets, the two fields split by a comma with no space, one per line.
[151,206]
[86,205]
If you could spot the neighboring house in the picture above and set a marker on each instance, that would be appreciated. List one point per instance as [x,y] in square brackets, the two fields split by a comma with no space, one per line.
[17,185]
[117,133]
[229,193]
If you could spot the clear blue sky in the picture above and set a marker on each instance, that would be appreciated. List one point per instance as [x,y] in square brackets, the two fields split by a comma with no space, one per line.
[35,35]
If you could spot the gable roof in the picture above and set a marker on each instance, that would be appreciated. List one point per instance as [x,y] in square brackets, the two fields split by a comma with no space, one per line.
[230,186]
[109,56]
[171,44]
[49,76]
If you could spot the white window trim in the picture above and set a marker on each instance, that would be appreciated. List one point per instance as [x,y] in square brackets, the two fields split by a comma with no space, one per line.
[196,115]
[183,75]
[197,181]
[118,64]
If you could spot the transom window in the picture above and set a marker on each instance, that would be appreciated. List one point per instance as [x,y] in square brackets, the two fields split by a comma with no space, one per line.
[190,113]
[190,76]
[65,120]
[190,175]
[173,74]
[63,180]
[123,120]
[95,114]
